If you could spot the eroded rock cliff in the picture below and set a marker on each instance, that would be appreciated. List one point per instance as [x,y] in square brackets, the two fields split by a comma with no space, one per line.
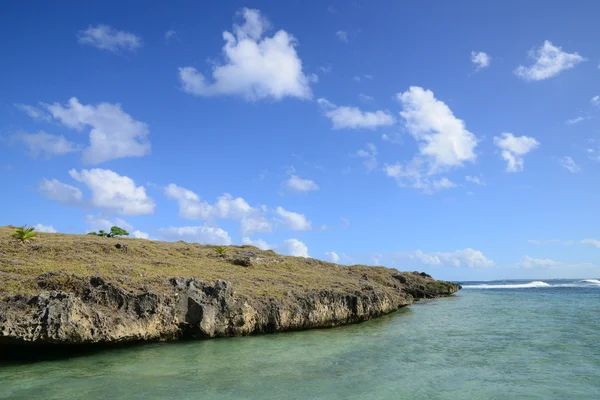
[76,310]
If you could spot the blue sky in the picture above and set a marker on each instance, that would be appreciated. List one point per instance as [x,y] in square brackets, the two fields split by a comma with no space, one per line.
[457,138]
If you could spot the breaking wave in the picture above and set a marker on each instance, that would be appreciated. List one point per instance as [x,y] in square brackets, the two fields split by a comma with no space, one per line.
[585,283]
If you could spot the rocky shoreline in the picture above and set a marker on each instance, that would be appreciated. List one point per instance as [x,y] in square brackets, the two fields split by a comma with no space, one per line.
[93,310]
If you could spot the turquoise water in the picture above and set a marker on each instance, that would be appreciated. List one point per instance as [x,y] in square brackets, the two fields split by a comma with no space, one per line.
[541,341]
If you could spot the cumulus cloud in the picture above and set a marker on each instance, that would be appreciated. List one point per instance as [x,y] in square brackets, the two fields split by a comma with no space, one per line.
[514,148]
[568,163]
[140,235]
[530,262]
[292,221]
[254,66]
[261,244]
[113,192]
[45,228]
[293,247]
[442,137]
[45,144]
[226,207]
[593,242]
[480,59]
[105,37]
[551,241]
[460,258]
[345,117]
[34,112]
[466,257]
[290,247]
[170,34]
[475,179]
[550,60]
[443,183]
[203,234]
[97,222]
[332,256]
[369,156]
[297,184]
[61,192]
[575,120]
[342,35]
[113,133]
[444,141]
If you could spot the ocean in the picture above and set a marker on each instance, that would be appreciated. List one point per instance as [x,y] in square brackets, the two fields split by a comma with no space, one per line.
[537,339]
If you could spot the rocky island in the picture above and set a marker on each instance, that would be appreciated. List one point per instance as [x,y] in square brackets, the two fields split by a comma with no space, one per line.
[80,289]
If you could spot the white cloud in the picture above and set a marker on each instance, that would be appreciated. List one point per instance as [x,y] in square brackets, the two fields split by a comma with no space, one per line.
[550,241]
[593,242]
[261,244]
[226,207]
[575,120]
[111,191]
[442,137]
[550,60]
[356,79]
[369,156]
[170,34]
[326,69]
[61,192]
[96,223]
[105,37]
[45,228]
[411,175]
[140,235]
[255,67]
[43,143]
[297,184]
[290,247]
[33,112]
[354,118]
[203,234]
[514,148]
[469,257]
[570,164]
[113,133]
[255,223]
[444,141]
[460,258]
[342,35]
[530,262]
[332,256]
[364,98]
[595,101]
[480,59]
[443,183]
[293,247]
[475,179]
[292,221]
[345,223]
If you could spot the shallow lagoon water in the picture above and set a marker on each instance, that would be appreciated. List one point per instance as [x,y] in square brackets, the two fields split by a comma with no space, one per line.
[534,342]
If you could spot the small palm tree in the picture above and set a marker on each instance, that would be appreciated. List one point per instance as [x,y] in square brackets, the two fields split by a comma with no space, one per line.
[24,233]
[221,250]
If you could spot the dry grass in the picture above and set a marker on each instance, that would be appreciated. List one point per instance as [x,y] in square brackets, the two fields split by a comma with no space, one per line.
[150,263]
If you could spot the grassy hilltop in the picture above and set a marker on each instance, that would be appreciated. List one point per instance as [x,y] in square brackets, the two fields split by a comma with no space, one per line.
[147,264]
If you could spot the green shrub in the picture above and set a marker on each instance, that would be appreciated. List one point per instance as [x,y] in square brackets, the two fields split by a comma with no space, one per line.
[115,231]
[24,233]
[221,250]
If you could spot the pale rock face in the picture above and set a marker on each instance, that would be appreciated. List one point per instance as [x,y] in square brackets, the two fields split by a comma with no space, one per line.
[96,311]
